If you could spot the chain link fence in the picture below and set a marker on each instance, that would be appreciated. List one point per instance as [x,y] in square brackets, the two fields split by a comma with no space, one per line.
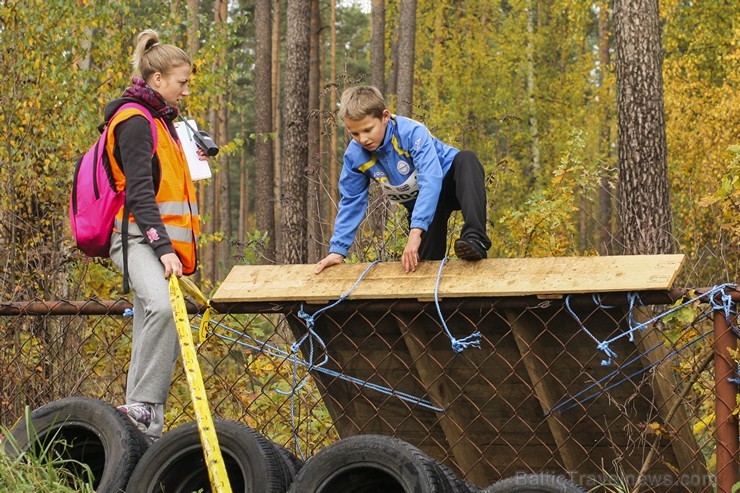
[618,389]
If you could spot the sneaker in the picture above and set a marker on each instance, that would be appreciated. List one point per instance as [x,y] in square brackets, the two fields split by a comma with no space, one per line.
[140,413]
[469,249]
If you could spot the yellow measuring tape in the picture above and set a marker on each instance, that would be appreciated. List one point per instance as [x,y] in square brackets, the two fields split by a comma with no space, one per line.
[204,420]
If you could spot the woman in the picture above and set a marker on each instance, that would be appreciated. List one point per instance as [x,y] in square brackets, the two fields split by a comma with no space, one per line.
[160,217]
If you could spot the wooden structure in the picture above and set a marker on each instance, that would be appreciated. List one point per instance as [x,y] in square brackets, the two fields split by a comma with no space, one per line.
[492,418]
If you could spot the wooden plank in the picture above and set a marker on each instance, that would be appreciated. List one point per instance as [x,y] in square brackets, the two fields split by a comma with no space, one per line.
[490,277]
[652,344]
[453,420]
[546,388]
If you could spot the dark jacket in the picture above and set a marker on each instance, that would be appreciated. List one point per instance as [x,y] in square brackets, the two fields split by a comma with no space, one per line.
[133,150]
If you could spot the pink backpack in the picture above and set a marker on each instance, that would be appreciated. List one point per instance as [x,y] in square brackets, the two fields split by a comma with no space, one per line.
[95,201]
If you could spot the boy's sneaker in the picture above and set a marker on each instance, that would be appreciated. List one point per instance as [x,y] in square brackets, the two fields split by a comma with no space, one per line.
[469,249]
[140,413]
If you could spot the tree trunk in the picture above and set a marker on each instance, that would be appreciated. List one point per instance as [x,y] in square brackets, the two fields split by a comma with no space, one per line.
[606,191]
[193,27]
[277,121]
[377,45]
[335,161]
[406,46]
[223,186]
[644,203]
[534,133]
[314,138]
[193,45]
[295,154]
[264,204]
[244,198]
[392,85]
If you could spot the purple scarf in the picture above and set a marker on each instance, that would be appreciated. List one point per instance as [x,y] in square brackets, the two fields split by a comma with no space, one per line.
[141,90]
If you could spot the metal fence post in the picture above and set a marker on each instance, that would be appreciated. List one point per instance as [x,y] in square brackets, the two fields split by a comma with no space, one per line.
[725,398]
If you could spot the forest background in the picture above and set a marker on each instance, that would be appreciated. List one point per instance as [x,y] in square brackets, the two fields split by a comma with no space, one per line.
[532,86]
[528,85]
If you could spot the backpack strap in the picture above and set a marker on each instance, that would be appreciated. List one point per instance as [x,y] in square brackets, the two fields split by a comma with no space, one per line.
[149,117]
[126,212]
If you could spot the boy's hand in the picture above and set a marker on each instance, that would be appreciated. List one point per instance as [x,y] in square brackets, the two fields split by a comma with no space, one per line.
[410,257]
[328,261]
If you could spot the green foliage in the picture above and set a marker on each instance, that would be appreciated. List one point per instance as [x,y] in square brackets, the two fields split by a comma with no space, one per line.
[252,250]
[42,469]
[680,319]
[725,200]
[545,224]
[701,77]
[473,74]
[50,104]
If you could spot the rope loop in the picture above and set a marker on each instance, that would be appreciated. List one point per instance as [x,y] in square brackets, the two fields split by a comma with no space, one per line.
[604,347]
[600,345]
[311,336]
[726,304]
[458,345]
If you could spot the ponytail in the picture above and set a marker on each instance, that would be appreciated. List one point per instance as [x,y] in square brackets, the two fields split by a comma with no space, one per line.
[151,56]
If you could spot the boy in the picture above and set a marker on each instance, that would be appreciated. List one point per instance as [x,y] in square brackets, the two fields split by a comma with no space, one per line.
[414,169]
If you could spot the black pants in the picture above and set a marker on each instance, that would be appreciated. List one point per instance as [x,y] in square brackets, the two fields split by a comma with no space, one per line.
[463,189]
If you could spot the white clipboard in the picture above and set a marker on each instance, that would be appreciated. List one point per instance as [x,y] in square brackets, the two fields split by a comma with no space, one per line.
[199,170]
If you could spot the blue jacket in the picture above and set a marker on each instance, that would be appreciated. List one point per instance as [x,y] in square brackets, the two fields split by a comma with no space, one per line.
[410,157]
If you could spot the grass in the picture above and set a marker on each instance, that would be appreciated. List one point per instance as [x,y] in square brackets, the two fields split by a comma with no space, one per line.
[41,469]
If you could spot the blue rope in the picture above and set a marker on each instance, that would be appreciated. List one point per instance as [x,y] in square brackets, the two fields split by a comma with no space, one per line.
[310,319]
[736,380]
[634,374]
[633,298]
[625,365]
[458,345]
[634,326]
[726,307]
[601,346]
[276,352]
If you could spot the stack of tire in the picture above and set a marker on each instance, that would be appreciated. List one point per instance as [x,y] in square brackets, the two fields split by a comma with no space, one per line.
[121,459]
[96,435]
[376,463]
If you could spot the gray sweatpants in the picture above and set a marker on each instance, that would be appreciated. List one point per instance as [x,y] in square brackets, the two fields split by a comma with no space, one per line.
[154,347]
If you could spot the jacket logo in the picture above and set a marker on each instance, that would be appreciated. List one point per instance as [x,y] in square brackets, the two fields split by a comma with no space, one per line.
[403,167]
[152,235]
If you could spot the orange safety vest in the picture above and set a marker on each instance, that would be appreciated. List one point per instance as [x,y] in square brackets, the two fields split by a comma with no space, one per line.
[175,197]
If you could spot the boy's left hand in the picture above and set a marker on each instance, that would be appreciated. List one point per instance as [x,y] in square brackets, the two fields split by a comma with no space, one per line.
[410,258]
[328,261]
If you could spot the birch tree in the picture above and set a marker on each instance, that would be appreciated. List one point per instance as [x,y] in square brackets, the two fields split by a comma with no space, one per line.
[406,46]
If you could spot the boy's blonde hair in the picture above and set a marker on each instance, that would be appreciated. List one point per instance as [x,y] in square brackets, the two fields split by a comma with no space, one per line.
[360,101]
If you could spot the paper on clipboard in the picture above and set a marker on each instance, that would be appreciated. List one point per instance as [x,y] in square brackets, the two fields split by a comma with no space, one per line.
[199,170]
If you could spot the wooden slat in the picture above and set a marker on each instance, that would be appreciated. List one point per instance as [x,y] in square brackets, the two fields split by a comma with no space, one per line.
[652,344]
[490,277]
[454,420]
[547,389]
